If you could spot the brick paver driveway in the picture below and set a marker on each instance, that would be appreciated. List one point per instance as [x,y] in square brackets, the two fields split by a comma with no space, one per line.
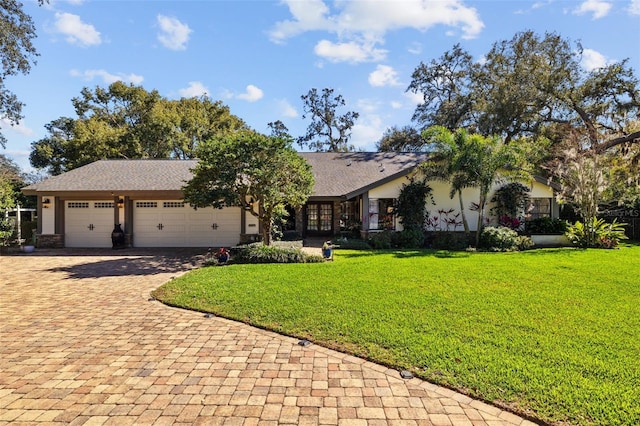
[81,343]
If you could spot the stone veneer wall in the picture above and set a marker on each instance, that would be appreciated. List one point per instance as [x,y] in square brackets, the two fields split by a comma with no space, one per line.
[50,241]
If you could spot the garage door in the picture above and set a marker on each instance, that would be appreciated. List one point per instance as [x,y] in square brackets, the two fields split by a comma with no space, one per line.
[176,224]
[88,223]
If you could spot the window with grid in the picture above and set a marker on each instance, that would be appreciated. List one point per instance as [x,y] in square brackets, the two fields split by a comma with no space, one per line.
[326,217]
[146,204]
[103,205]
[381,214]
[539,207]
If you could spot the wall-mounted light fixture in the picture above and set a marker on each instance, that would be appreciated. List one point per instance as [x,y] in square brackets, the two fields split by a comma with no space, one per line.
[249,205]
[120,202]
[46,203]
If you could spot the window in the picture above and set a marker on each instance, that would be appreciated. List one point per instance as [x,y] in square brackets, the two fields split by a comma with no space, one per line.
[320,217]
[349,216]
[78,205]
[539,207]
[103,205]
[146,204]
[381,214]
[172,204]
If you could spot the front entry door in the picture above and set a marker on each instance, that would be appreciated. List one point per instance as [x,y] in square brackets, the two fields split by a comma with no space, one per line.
[319,219]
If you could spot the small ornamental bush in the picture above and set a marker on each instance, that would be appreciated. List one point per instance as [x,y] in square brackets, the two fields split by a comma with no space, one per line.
[270,254]
[499,238]
[596,233]
[453,241]
[524,243]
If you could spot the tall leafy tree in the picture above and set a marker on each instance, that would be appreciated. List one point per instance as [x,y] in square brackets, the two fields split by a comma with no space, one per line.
[186,122]
[529,86]
[11,179]
[54,152]
[262,174]
[327,131]
[278,129]
[406,139]
[446,87]
[12,175]
[17,55]
[127,121]
[6,202]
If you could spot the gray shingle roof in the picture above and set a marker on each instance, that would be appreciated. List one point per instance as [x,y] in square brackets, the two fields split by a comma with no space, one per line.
[336,174]
[121,176]
[350,173]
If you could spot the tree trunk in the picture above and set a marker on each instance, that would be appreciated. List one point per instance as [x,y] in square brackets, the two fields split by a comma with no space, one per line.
[481,203]
[465,224]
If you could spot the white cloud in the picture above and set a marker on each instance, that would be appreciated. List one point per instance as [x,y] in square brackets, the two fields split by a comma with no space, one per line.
[414,98]
[308,16]
[592,60]
[348,52]
[194,89]
[76,31]
[367,131]
[374,16]
[286,109]
[19,128]
[361,25]
[107,77]
[384,75]
[173,34]
[396,104]
[634,7]
[598,8]
[252,94]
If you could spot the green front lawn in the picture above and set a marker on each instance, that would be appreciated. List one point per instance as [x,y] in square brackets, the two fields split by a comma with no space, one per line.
[554,333]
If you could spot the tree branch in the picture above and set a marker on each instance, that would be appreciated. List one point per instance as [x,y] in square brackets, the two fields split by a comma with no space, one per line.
[632,137]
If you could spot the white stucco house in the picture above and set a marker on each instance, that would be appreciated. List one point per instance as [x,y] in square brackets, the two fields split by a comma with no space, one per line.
[80,208]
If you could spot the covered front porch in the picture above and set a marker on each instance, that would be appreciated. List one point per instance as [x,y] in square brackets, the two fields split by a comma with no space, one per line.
[333,217]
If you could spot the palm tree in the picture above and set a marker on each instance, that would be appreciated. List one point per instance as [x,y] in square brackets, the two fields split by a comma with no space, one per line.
[448,162]
[473,161]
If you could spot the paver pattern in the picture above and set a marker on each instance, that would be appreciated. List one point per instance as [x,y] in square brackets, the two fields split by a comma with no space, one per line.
[81,343]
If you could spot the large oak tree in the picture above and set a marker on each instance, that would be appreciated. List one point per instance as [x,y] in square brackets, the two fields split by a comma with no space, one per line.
[127,121]
[529,86]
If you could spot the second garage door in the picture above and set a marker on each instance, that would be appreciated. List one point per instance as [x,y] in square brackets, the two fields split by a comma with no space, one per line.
[176,224]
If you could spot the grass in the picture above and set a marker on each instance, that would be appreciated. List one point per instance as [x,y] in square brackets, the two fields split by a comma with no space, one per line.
[550,333]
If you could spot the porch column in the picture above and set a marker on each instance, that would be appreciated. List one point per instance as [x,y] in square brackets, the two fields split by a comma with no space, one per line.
[337,211]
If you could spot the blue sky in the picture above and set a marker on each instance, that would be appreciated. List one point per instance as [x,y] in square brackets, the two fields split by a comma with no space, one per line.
[258,57]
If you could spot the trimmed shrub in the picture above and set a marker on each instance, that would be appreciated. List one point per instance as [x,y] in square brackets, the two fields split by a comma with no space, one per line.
[270,254]
[499,238]
[453,241]
[380,240]
[351,244]
[408,238]
[546,226]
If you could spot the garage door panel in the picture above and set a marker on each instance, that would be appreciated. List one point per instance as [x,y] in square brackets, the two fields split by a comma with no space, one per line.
[88,223]
[183,226]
